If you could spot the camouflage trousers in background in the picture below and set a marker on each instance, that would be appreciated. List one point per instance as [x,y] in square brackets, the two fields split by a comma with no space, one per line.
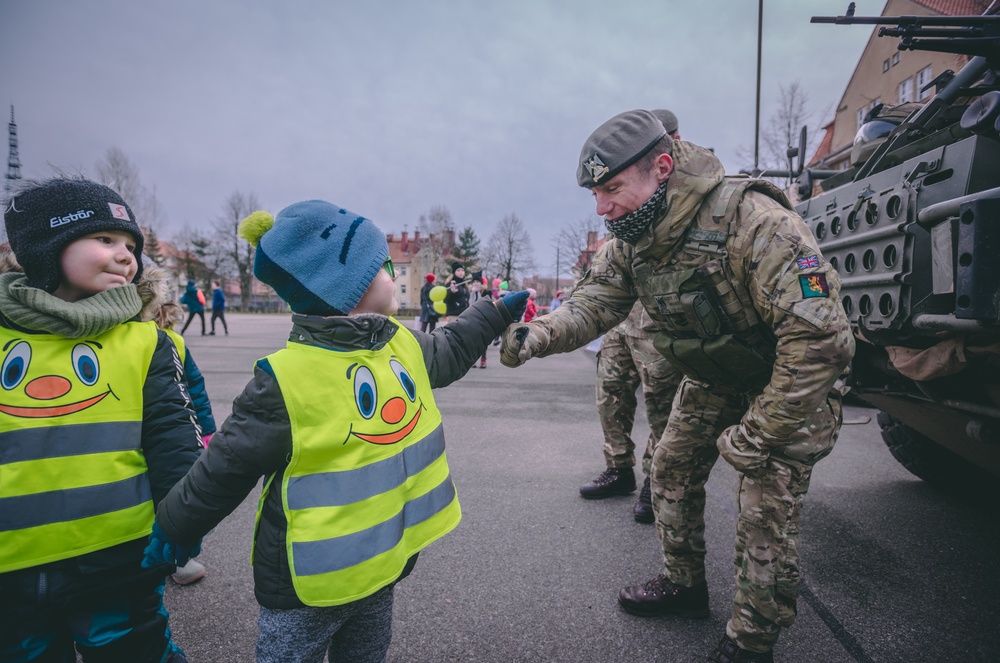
[625,362]
[770,503]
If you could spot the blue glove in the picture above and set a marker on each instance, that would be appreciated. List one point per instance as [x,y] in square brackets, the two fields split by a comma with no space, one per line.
[513,305]
[162,550]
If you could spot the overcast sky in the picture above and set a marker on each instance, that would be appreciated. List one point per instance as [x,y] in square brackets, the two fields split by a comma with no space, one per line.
[390,107]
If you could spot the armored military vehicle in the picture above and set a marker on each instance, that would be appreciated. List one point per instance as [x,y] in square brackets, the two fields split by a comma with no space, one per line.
[914,230]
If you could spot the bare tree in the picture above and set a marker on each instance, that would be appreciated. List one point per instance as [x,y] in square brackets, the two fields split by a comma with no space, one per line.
[117,171]
[782,129]
[573,242]
[189,265]
[509,252]
[438,246]
[237,251]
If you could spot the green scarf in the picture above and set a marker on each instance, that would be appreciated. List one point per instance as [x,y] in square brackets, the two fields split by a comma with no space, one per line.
[37,310]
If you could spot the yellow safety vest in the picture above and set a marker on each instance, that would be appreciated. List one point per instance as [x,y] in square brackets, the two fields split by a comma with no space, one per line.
[368,483]
[178,343]
[72,474]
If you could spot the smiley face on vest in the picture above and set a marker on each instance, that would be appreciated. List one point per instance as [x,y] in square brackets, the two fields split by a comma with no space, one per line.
[55,393]
[394,413]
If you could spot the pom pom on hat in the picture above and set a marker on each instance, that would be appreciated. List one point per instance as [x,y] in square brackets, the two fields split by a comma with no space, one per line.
[430,278]
[318,257]
[254,226]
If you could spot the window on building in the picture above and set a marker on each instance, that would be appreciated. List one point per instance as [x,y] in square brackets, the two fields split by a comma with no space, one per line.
[895,59]
[402,288]
[875,102]
[904,91]
[923,79]
[885,66]
[402,271]
[861,117]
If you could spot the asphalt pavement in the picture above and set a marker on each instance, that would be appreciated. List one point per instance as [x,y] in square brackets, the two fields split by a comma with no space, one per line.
[894,569]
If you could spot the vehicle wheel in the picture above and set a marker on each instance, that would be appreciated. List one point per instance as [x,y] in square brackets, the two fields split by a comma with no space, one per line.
[929,460]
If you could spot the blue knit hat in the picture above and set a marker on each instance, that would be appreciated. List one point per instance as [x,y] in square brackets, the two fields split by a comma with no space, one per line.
[318,257]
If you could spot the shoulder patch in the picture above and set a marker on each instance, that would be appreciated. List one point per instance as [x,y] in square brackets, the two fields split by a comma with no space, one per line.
[809,262]
[814,285]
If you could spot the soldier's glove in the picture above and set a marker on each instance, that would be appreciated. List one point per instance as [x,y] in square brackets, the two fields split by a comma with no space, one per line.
[512,306]
[521,342]
[162,550]
[740,453]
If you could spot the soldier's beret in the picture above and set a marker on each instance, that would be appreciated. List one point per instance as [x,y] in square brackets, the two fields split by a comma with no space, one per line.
[616,145]
[667,119]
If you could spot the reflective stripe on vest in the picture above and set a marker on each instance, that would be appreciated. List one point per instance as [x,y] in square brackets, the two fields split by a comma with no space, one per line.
[368,483]
[178,343]
[72,474]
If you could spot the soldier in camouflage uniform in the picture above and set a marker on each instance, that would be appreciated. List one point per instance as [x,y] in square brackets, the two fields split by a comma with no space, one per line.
[627,359]
[749,310]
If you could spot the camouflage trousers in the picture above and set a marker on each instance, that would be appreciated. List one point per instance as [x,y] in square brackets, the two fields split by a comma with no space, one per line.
[770,503]
[625,362]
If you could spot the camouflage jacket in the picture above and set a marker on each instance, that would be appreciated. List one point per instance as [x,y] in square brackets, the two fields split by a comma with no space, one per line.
[768,251]
[638,324]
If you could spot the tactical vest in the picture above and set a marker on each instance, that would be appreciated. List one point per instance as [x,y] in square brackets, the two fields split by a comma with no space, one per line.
[709,328]
[368,483]
[72,474]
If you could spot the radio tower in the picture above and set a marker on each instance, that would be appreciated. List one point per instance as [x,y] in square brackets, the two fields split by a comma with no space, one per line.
[13,162]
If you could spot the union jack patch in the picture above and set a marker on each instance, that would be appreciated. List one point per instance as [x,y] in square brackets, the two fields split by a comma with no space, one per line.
[808,262]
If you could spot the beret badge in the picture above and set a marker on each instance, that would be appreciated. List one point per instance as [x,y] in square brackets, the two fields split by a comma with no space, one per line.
[596,167]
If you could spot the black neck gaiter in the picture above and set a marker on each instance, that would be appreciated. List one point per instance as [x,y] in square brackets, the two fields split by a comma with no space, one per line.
[632,226]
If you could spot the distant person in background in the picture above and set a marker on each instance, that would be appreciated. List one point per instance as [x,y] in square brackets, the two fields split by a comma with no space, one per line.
[457,298]
[428,316]
[480,290]
[218,307]
[556,301]
[532,311]
[502,290]
[195,305]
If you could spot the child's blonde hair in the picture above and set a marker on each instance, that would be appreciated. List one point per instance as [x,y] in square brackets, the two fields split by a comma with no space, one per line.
[158,293]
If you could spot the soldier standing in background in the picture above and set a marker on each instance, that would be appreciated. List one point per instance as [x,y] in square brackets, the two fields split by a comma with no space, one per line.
[627,359]
[749,310]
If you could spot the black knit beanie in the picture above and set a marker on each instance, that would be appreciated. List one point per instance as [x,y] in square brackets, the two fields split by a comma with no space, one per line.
[42,220]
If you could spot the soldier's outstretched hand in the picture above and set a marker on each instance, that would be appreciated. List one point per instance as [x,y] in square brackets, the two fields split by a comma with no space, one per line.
[520,342]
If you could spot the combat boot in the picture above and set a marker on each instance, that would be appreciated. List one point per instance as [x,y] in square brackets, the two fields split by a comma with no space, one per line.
[612,481]
[659,596]
[643,509]
[729,652]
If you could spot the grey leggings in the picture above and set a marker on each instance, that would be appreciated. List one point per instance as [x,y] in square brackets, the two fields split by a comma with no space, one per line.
[358,632]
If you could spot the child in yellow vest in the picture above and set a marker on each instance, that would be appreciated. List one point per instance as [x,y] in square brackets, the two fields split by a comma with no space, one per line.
[158,294]
[343,425]
[95,428]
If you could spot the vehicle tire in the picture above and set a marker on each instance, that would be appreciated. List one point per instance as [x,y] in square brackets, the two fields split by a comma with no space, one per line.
[929,460]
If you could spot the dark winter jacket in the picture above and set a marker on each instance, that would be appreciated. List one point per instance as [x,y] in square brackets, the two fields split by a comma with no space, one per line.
[218,300]
[190,299]
[256,440]
[457,301]
[170,445]
[427,312]
[199,395]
